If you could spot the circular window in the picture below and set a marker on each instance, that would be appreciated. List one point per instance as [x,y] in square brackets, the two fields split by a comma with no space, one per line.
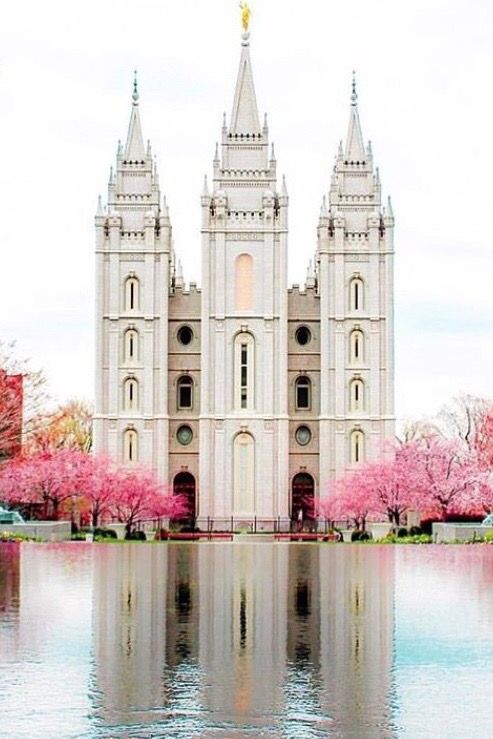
[185,335]
[184,435]
[303,435]
[303,335]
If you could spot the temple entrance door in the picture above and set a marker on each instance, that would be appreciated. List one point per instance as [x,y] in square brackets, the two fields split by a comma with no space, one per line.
[302,499]
[184,484]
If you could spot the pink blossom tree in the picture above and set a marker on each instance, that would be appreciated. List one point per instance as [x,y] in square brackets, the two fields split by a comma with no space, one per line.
[449,477]
[47,480]
[99,489]
[140,496]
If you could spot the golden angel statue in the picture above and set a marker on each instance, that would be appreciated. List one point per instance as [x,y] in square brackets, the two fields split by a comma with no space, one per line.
[245,15]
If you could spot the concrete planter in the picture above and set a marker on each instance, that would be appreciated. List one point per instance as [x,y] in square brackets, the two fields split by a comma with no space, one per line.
[379,530]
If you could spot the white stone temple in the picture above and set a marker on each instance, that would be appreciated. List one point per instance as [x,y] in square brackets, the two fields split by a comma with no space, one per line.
[249,397]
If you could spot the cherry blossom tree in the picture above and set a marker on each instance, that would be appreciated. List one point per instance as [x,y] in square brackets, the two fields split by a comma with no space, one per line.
[483,440]
[449,477]
[140,497]
[99,489]
[47,480]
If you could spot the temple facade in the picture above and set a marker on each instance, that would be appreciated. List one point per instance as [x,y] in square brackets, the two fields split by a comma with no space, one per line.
[248,396]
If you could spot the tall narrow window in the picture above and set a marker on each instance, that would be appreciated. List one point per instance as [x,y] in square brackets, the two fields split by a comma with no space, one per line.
[356,353]
[132,293]
[130,445]
[185,393]
[244,349]
[303,391]
[356,294]
[131,394]
[357,393]
[357,447]
[244,282]
[244,474]
[131,345]
[244,375]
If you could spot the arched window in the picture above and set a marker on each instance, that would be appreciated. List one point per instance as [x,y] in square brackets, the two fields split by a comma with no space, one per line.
[357,447]
[357,395]
[130,445]
[244,474]
[132,294]
[244,282]
[185,393]
[303,393]
[357,347]
[131,394]
[356,294]
[131,345]
[244,350]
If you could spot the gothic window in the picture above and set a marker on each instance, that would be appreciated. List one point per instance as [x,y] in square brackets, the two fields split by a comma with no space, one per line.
[131,345]
[185,393]
[357,395]
[356,353]
[130,445]
[131,394]
[244,349]
[303,391]
[132,294]
[357,447]
[244,474]
[356,294]
[244,282]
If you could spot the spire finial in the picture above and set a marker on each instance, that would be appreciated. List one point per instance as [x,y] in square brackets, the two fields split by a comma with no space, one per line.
[246,14]
[135,94]
[354,94]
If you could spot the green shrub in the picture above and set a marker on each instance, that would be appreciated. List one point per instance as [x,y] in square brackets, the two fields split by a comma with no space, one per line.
[401,533]
[136,536]
[7,536]
[102,533]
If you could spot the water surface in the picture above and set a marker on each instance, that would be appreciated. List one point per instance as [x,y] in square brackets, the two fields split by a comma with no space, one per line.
[245,640]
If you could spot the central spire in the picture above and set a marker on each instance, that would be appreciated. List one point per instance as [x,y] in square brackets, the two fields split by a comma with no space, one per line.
[245,118]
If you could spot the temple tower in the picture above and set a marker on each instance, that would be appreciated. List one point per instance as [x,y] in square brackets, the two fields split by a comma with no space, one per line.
[355,257]
[244,416]
[133,267]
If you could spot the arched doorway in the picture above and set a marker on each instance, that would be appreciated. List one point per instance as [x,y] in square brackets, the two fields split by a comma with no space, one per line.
[303,498]
[184,484]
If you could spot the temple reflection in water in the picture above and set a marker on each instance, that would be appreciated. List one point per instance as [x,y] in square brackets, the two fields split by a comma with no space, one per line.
[244,635]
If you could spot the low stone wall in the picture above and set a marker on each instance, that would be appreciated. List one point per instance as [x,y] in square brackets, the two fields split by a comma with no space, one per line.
[44,530]
[449,532]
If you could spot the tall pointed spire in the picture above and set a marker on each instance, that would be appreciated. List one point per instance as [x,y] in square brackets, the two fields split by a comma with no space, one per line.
[355,148]
[245,118]
[134,149]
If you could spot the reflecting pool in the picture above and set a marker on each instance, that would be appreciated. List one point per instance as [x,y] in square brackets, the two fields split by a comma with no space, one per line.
[245,640]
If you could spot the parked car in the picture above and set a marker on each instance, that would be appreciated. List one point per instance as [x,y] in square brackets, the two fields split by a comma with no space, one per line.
[10,517]
[488,521]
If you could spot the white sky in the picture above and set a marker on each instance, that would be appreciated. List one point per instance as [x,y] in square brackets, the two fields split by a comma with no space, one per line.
[424,78]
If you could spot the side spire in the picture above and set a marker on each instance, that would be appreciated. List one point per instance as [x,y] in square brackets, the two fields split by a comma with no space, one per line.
[355,148]
[134,149]
[245,117]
